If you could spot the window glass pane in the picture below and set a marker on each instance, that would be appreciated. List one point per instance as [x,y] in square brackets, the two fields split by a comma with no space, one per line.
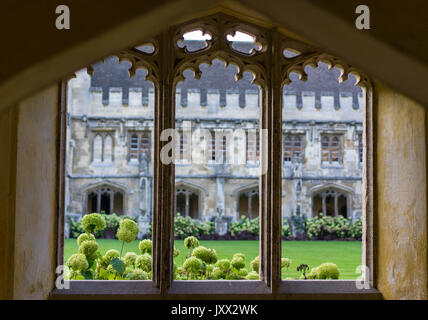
[108,149]
[133,147]
[98,148]
[216,191]
[109,172]
[321,192]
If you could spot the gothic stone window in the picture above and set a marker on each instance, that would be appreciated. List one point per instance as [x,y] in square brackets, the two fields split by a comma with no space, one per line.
[165,66]
[187,202]
[331,149]
[248,203]
[293,147]
[330,202]
[139,144]
[360,147]
[182,147]
[105,199]
[102,147]
[252,146]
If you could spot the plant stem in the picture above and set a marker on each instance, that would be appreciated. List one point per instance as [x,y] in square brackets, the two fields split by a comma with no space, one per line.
[120,257]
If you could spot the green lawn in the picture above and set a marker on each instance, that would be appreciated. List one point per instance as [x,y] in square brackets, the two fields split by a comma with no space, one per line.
[346,254]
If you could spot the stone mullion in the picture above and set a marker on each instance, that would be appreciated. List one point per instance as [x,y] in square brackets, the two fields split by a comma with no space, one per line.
[167,176]
[275,132]
[156,227]
[264,186]
[369,140]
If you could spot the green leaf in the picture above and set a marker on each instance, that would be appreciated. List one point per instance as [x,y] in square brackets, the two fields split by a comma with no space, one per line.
[118,265]
[87,275]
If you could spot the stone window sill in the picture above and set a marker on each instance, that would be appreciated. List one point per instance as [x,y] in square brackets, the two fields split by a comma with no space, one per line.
[219,289]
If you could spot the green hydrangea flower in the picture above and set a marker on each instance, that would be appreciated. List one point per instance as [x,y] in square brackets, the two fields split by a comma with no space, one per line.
[180,270]
[209,256]
[285,263]
[253,275]
[130,258]
[85,237]
[138,274]
[78,262]
[240,255]
[312,274]
[128,230]
[145,246]
[255,264]
[176,252]
[191,242]
[144,262]
[93,222]
[218,274]
[110,269]
[88,248]
[327,270]
[243,272]
[192,265]
[209,268]
[238,263]
[223,265]
[109,255]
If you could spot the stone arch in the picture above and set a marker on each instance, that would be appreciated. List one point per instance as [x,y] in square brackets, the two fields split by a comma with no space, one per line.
[247,200]
[331,199]
[104,196]
[188,199]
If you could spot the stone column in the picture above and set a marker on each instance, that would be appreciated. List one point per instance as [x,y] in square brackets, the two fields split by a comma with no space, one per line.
[98,201]
[111,202]
[187,194]
[336,205]
[220,194]
[250,209]
[324,205]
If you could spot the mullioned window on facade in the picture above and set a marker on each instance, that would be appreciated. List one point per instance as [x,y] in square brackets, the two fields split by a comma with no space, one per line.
[331,149]
[293,148]
[102,148]
[139,145]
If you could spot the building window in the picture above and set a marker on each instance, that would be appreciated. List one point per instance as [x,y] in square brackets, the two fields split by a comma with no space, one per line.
[105,199]
[360,147]
[331,146]
[98,149]
[102,149]
[264,200]
[187,202]
[139,145]
[252,146]
[293,148]
[211,148]
[248,203]
[331,203]
[182,147]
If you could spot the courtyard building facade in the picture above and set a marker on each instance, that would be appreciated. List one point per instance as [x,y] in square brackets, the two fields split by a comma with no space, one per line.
[110,144]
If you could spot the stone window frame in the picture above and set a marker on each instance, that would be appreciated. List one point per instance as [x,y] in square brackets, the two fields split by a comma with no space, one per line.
[165,67]
[103,133]
[139,134]
[360,148]
[302,137]
[330,137]
[98,190]
[252,153]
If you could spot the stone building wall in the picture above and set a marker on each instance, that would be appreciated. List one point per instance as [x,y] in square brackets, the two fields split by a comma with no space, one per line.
[111,108]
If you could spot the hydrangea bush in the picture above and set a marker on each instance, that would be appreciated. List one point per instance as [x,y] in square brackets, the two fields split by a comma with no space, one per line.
[329,228]
[201,263]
